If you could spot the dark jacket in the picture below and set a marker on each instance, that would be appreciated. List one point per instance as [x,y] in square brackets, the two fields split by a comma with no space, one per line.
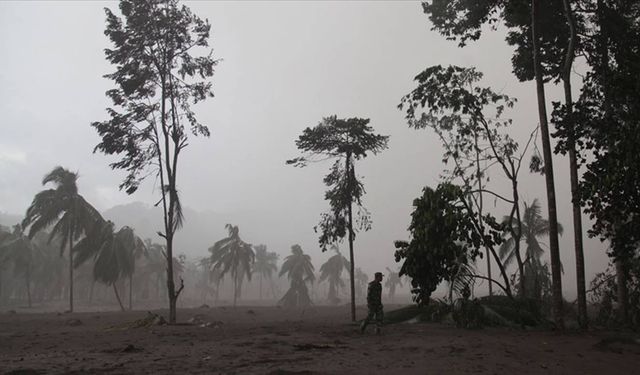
[374,294]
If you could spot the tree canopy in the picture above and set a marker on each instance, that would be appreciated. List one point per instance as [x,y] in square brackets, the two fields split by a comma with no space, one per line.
[443,237]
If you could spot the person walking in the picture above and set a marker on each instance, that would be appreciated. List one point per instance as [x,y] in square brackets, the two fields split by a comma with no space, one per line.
[374,304]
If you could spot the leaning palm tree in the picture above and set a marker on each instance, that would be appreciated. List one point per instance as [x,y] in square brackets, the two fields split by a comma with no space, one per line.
[48,275]
[299,271]
[393,281]
[135,252]
[233,254]
[69,213]
[216,277]
[111,252]
[533,225]
[265,265]
[331,271]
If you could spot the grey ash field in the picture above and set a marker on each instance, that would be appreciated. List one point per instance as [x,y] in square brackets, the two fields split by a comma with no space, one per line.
[271,340]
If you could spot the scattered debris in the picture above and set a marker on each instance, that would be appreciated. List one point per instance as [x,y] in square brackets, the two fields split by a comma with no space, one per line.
[288,372]
[25,371]
[204,306]
[196,320]
[617,344]
[130,348]
[153,320]
[73,322]
[313,346]
[251,312]
[11,312]
[201,322]
[214,324]
[149,321]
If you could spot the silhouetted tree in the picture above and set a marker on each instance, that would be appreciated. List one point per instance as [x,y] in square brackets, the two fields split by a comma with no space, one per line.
[299,271]
[265,265]
[112,252]
[448,101]
[233,254]
[22,253]
[351,140]
[5,235]
[533,225]
[155,264]
[157,79]
[443,237]
[69,213]
[361,283]
[331,271]
[540,35]
[393,281]
[604,123]
[570,55]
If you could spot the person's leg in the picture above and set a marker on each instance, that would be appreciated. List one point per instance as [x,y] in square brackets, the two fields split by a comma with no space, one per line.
[379,319]
[367,320]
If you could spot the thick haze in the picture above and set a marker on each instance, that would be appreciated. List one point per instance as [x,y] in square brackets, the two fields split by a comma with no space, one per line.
[285,66]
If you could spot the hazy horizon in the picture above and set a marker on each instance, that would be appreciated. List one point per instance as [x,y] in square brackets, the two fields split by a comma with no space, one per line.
[286,65]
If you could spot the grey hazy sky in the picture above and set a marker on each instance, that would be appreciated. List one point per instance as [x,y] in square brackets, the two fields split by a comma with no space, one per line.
[286,65]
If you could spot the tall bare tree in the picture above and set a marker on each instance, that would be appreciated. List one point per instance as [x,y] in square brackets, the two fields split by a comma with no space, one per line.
[157,80]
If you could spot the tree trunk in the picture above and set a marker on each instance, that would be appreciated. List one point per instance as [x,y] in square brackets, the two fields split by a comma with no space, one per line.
[554,247]
[517,235]
[171,287]
[503,272]
[235,290]
[480,203]
[70,269]
[623,293]
[93,283]
[260,286]
[130,292]
[28,281]
[573,171]
[115,290]
[351,173]
[489,271]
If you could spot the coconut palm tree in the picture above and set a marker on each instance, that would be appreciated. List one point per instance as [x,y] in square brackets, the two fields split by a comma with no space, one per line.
[233,254]
[331,271]
[65,209]
[22,254]
[48,276]
[112,253]
[155,265]
[533,225]
[265,265]
[5,235]
[135,252]
[216,277]
[393,281]
[299,271]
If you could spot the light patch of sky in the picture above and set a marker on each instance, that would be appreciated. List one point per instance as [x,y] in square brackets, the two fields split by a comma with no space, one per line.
[285,66]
